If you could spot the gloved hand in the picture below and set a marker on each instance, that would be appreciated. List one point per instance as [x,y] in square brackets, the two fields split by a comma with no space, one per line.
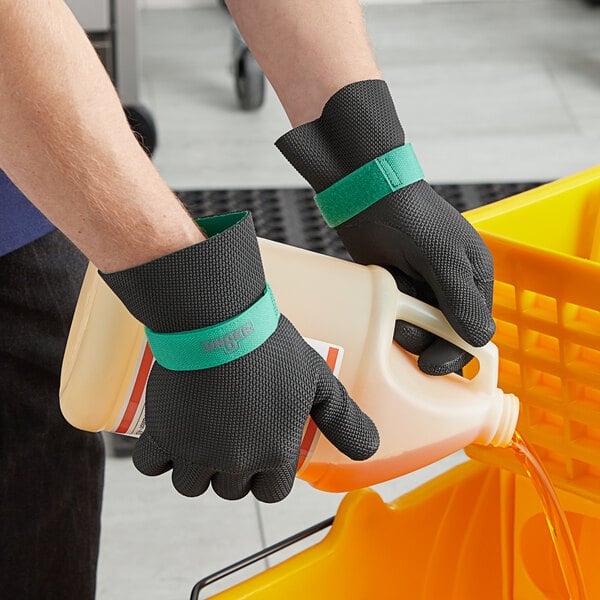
[230,401]
[371,189]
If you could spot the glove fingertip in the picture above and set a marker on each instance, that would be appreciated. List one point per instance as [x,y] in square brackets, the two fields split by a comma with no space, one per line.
[412,338]
[149,459]
[190,480]
[472,319]
[345,425]
[275,485]
[479,333]
[443,358]
[368,442]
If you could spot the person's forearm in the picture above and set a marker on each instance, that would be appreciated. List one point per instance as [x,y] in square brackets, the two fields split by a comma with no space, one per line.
[308,50]
[65,142]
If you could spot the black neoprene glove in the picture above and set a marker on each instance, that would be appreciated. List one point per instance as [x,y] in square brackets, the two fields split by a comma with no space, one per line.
[387,214]
[233,416]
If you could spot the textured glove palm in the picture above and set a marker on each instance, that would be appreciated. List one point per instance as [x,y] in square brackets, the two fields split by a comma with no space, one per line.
[432,251]
[237,426]
[435,255]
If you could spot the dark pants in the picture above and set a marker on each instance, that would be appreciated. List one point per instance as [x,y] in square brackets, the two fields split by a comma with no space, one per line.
[51,475]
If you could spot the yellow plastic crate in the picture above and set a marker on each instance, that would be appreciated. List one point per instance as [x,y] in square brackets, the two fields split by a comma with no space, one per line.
[474,533]
[546,248]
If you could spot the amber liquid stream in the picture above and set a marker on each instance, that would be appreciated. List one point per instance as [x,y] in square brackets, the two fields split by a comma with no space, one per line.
[555,517]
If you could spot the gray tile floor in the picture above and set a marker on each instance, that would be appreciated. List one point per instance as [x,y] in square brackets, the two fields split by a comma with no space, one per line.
[487,91]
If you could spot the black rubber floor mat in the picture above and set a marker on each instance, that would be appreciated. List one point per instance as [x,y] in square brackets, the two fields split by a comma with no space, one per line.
[290,215]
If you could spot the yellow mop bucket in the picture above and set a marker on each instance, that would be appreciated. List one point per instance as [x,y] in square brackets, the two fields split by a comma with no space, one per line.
[478,531]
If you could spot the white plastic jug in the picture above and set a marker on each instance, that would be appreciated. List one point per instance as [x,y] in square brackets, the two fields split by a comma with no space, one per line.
[347,312]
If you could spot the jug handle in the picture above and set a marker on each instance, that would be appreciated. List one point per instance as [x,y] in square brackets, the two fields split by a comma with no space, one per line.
[427,317]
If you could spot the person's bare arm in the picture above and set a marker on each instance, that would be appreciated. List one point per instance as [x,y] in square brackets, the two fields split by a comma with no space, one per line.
[65,142]
[308,50]
[317,56]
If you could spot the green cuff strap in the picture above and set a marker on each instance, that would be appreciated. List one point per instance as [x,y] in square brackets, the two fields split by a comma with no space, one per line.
[218,344]
[360,189]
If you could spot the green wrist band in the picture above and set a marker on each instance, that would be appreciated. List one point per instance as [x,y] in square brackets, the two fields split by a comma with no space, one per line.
[218,224]
[360,189]
[218,344]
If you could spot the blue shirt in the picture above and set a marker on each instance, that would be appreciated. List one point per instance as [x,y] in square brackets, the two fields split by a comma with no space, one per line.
[20,221]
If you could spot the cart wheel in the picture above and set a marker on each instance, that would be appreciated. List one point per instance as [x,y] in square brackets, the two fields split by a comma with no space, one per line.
[249,81]
[142,124]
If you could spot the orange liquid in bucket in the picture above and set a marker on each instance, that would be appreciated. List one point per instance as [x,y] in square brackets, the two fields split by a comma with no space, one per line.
[555,517]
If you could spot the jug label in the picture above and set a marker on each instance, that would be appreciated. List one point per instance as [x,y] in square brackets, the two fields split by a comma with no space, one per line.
[333,356]
[131,420]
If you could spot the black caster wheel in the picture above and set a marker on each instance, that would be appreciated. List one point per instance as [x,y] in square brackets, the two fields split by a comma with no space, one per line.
[249,81]
[249,78]
[142,124]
